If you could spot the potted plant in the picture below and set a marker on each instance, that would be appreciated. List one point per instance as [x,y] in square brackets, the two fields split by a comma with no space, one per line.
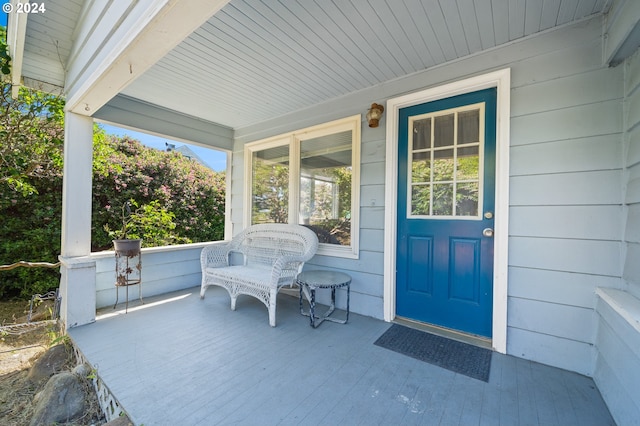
[124,246]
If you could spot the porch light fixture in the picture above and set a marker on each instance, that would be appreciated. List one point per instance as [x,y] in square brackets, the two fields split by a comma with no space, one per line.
[374,114]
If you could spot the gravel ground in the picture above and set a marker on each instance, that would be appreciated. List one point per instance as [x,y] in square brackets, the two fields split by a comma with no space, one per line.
[20,346]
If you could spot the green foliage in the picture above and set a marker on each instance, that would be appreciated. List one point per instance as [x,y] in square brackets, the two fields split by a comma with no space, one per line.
[270,192]
[5,59]
[31,132]
[172,187]
[151,222]
[31,135]
[176,199]
[441,191]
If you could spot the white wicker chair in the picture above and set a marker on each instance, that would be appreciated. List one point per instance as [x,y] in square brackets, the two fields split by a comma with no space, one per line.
[272,256]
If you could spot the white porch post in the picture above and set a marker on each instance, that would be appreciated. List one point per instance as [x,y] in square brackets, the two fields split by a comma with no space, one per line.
[78,271]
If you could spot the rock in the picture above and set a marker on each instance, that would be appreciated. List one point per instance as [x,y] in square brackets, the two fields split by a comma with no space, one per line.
[82,370]
[120,421]
[61,400]
[49,364]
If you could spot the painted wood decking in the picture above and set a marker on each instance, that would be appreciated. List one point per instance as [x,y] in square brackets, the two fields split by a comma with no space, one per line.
[179,360]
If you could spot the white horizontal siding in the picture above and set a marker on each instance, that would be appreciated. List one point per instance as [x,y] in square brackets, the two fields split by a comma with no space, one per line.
[623,353]
[633,147]
[372,239]
[372,218]
[632,195]
[617,369]
[620,404]
[371,195]
[596,222]
[575,58]
[566,255]
[542,317]
[372,150]
[164,270]
[570,155]
[372,174]
[632,230]
[547,349]
[584,188]
[580,121]
[564,288]
[603,83]
[370,262]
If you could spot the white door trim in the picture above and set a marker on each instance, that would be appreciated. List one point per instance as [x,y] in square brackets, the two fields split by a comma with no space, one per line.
[501,80]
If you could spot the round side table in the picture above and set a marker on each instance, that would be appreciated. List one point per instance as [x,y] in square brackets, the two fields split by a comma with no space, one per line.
[310,281]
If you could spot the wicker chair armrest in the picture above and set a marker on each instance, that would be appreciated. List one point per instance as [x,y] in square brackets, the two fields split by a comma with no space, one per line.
[286,267]
[215,255]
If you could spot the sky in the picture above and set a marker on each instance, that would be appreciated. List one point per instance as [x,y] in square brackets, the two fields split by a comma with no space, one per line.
[217,160]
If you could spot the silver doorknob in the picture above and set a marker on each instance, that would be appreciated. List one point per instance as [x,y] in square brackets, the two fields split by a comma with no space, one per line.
[487,232]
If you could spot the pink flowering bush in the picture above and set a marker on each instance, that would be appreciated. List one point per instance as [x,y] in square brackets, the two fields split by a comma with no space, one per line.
[191,194]
[180,200]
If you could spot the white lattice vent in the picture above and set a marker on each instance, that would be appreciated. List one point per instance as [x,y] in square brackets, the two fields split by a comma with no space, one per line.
[108,403]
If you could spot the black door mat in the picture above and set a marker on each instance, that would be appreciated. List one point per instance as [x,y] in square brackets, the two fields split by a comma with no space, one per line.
[456,356]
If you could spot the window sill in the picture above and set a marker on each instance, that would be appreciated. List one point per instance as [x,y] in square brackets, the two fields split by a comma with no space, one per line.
[334,250]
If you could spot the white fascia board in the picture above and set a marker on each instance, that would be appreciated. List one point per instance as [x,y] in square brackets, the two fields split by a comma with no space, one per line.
[16,33]
[147,40]
[621,31]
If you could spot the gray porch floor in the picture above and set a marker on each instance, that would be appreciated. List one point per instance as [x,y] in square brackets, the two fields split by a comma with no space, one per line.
[195,362]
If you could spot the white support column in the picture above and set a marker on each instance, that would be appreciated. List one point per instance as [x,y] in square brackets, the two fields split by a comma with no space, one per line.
[78,278]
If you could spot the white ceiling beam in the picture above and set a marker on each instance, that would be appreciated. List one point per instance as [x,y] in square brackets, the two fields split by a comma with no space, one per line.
[622,36]
[131,47]
[16,33]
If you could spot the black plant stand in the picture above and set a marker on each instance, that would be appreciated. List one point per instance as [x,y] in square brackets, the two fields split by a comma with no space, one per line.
[128,267]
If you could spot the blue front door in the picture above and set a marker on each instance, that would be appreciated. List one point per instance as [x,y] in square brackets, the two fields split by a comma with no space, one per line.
[446,198]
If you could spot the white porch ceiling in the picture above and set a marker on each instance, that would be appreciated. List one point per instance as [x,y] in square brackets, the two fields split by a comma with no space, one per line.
[257,60]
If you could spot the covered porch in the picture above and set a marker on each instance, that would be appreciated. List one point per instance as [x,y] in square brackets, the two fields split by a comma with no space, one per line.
[178,359]
[229,74]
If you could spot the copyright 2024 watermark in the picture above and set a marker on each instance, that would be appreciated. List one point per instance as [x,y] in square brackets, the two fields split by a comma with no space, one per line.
[20,8]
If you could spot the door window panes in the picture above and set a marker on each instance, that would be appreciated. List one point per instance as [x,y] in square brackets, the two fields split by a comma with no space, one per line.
[421,200]
[445,158]
[443,162]
[443,130]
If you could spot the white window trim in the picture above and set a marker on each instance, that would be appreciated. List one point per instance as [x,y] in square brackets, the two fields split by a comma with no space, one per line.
[293,139]
[501,80]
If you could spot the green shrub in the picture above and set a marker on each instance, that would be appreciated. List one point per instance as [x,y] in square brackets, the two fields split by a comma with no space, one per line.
[179,200]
